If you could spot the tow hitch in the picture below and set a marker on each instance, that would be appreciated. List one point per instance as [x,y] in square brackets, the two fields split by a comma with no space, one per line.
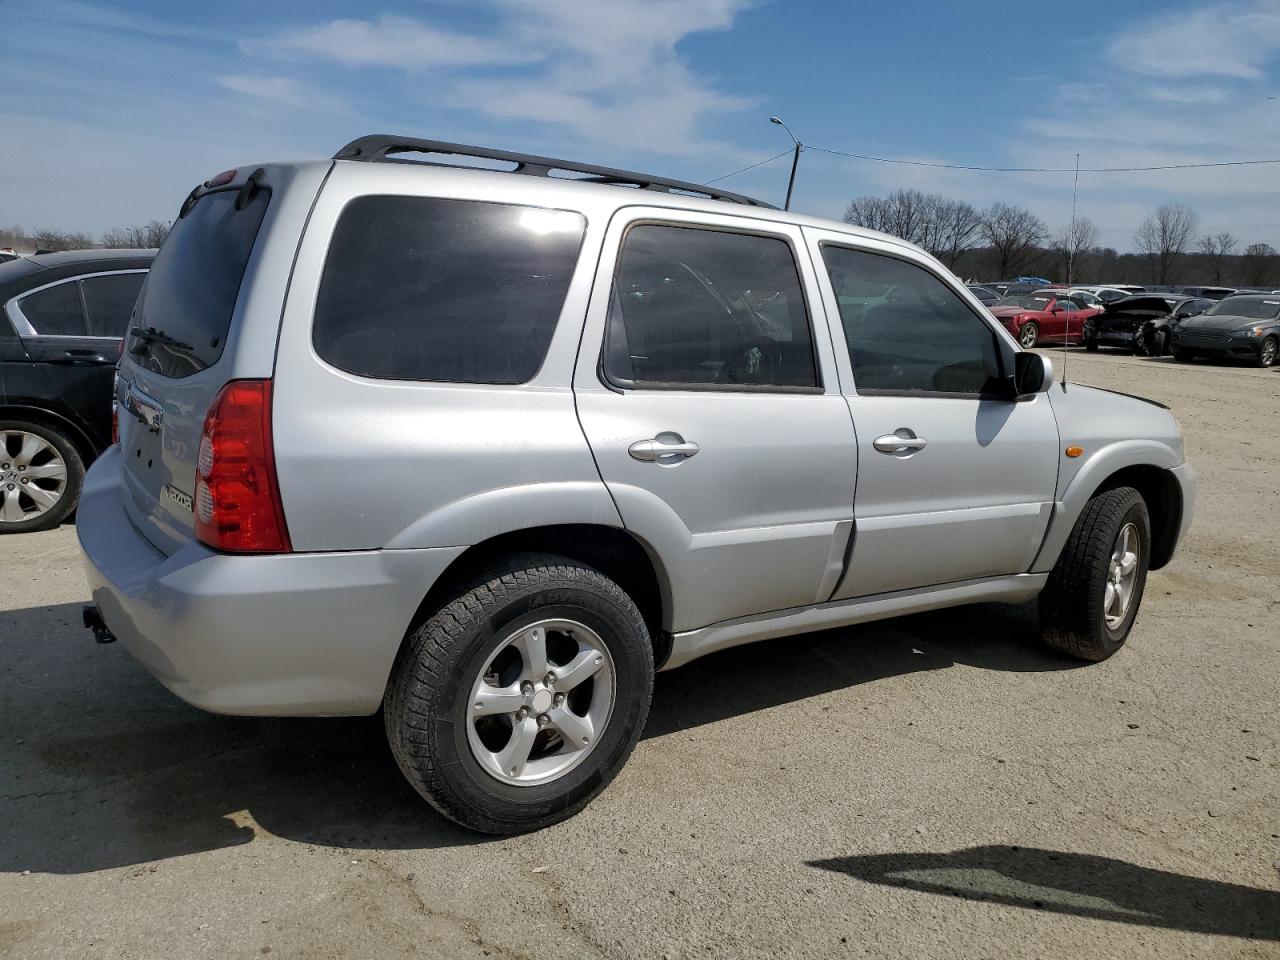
[93,621]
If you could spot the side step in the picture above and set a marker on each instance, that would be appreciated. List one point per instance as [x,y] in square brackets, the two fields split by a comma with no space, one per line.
[93,621]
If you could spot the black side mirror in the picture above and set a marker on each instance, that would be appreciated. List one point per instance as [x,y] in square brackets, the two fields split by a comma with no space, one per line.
[1032,374]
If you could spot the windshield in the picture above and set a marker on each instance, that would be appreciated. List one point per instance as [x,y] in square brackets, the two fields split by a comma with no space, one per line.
[1240,307]
[1026,302]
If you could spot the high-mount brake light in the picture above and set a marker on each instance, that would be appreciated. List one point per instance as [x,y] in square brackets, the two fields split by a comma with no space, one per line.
[237,501]
[220,179]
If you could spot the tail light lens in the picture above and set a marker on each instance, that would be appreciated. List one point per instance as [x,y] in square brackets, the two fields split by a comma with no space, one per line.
[237,501]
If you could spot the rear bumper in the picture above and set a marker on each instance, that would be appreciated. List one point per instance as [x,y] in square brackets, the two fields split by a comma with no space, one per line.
[310,634]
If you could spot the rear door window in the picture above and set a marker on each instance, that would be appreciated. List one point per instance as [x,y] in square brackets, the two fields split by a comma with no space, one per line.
[109,300]
[191,291]
[695,307]
[55,311]
[420,288]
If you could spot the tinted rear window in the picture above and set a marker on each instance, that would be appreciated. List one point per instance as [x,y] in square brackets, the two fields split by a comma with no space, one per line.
[417,288]
[191,291]
[55,311]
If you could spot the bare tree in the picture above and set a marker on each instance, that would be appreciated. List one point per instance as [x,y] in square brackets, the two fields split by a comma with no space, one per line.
[142,235]
[1073,242]
[941,225]
[1217,249]
[1163,237]
[960,230]
[1015,234]
[47,239]
[1260,265]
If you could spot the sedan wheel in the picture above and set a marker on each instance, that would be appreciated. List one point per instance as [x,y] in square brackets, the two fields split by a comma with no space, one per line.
[1267,354]
[39,478]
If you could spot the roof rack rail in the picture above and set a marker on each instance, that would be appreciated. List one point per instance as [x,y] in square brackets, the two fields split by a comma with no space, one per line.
[379,147]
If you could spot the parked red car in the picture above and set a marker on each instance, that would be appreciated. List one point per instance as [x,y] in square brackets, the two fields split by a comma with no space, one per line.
[1046,316]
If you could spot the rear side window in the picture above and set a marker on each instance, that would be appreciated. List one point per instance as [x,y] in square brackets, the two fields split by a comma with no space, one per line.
[109,300]
[191,291]
[419,288]
[55,311]
[702,308]
[907,331]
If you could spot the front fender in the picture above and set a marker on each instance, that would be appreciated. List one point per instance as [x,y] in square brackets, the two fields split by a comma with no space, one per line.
[1103,464]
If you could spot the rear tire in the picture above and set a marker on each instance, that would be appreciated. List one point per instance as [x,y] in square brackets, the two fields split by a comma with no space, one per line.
[476,647]
[1029,335]
[1091,600]
[41,475]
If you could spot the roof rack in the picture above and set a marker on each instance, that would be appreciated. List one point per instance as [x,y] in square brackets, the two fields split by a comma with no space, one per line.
[379,147]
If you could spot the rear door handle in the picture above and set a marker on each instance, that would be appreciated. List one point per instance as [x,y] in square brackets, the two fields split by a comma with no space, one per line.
[900,442]
[664,448]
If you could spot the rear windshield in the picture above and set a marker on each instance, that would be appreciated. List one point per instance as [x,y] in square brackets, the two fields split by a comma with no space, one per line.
[191,292]
[418,288]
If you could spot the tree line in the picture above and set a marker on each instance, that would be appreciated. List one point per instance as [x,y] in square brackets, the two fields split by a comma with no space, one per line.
[1005,241]
[140,235]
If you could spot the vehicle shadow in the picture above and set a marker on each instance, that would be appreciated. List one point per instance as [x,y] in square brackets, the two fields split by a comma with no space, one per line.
[101,767]
[1082,885]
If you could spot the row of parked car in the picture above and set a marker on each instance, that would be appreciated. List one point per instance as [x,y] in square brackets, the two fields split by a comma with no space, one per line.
[1189,322]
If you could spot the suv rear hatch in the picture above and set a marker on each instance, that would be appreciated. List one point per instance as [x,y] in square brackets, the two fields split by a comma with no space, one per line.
[175,358]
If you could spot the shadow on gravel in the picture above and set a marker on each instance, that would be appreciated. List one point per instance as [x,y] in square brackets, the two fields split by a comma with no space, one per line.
[763,675]
[101,767]
[1077,884]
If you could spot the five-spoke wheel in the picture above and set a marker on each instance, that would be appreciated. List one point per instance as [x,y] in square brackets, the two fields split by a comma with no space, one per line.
[540,701]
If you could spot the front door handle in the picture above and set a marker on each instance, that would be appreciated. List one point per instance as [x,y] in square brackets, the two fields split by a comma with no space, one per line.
[902,442]
[664,448]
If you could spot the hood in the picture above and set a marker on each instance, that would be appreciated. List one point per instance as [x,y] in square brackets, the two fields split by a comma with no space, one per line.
[1222,321]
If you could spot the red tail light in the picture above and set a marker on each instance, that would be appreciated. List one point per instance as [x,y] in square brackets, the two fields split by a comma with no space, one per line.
[237,501]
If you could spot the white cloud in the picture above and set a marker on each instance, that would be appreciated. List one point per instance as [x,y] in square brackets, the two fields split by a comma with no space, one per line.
[391,41]
[608,72]
[282,91]
[1223,40]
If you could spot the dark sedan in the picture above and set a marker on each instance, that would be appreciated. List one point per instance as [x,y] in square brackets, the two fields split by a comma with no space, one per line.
[1239,327]
[984,293]
[1156,334]
[62,317]
[1120,321]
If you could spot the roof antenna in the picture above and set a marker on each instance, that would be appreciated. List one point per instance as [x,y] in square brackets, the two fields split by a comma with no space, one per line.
[1071,262]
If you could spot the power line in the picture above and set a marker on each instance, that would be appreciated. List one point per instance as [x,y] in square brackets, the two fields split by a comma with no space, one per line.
[961,166]
[752,167]
[982,169]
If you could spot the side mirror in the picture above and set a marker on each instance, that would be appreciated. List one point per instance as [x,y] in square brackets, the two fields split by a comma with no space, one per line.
[1032,374]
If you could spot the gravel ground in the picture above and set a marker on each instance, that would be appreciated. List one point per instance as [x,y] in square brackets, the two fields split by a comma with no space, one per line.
[934,786]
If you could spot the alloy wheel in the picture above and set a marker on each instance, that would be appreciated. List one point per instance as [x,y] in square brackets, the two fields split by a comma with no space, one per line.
[1122,576]
[33,476]
[541,702]
[1268,351]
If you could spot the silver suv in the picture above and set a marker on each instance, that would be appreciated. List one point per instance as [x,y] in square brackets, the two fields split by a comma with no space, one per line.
[486,448]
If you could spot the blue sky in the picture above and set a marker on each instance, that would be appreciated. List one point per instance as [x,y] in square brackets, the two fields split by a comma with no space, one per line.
[111,111]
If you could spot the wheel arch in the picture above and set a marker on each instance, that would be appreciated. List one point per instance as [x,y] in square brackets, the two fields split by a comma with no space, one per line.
[615,552]
[1147,466]
[88,450]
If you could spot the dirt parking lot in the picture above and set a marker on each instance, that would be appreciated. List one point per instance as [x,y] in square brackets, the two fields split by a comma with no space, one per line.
[930,787]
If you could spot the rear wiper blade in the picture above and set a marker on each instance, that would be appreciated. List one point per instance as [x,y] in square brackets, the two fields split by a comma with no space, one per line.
[151,335]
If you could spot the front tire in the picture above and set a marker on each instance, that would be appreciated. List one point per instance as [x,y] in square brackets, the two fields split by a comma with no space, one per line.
[513,705]
[1091,600]
[1091,346]
[1267,352]
[41,475]
[1183,357]
[1029,335]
